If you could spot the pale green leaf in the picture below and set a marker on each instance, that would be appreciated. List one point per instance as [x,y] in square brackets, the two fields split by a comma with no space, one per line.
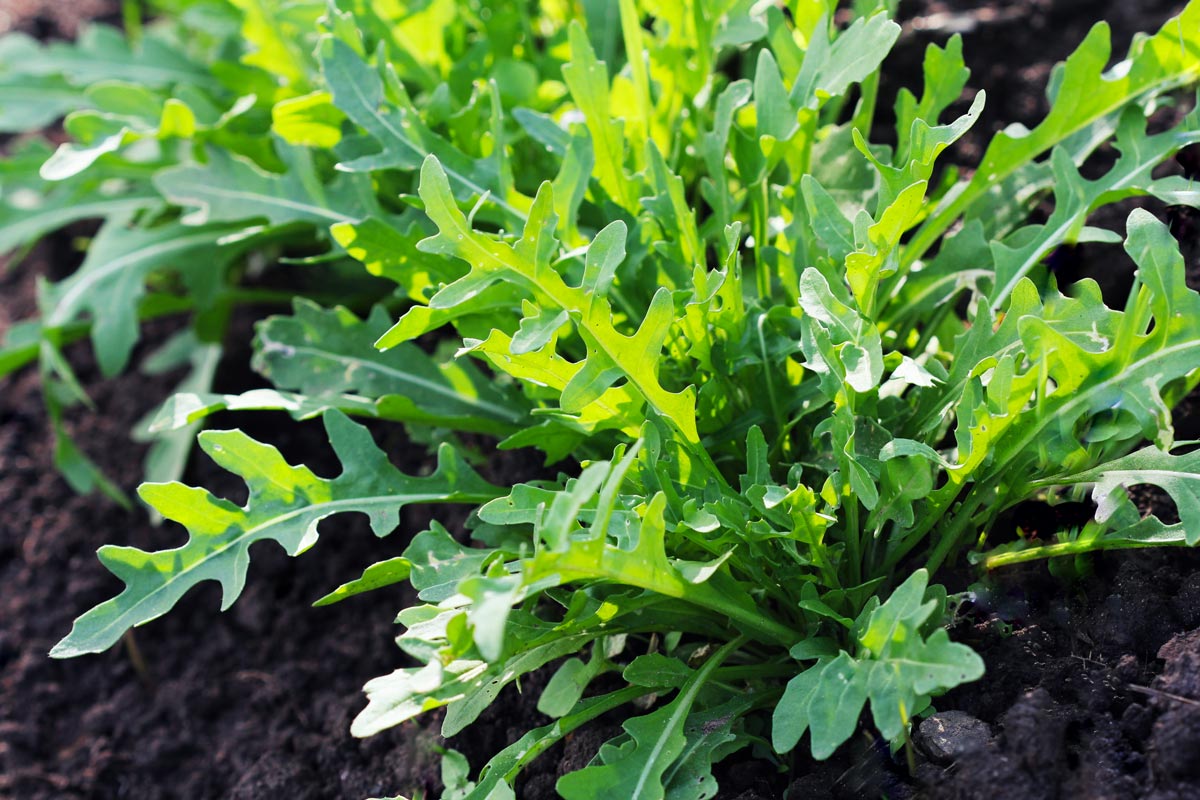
[286,504]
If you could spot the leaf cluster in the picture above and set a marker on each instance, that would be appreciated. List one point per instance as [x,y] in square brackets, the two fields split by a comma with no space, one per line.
[782,373]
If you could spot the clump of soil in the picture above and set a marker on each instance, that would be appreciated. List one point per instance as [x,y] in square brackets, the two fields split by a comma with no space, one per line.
[1070,686]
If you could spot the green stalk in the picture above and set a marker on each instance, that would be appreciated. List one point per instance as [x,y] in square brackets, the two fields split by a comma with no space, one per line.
[569,723]
[932,324]
[940,502]
[752,672]
[1069,549]
[853,542]
[950,540]
[751,620]
[631,32]
[131,18]
[864,115]
[776,412]
[761,208]
[631,568]
[13,359]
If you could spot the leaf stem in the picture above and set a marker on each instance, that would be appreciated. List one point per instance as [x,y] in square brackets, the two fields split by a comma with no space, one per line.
[770,380]
[762,210]
[563,727]
[853,542]
[1060,549]
[939,503]
[952,538]
[751,620]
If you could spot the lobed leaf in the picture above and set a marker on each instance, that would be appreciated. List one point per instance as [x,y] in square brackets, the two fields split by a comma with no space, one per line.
[286,504]
[611,354]
[1082,93]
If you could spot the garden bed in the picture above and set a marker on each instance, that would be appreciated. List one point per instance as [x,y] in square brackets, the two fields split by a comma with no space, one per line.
[1093,687]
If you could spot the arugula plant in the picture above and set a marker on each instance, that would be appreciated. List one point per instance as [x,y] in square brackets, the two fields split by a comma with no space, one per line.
[786,373]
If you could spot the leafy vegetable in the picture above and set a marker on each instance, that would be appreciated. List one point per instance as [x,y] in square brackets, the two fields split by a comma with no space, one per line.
[786,372]
[286,504]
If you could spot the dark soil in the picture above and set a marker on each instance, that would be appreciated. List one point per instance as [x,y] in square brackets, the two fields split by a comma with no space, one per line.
[1093,686]
[255,703]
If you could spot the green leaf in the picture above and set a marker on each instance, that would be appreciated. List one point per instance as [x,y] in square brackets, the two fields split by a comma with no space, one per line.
[567,685]
[311,120]
[836,702]
[31,207]
[641,563]
[831,226]
[230,188]
[28,103]
[187,408]
[286,504]
[654,670]
[359,92]
[587,79]
[384,573]
[1084,92]
[1177,475]
[791,716]
[325,353]
[273,33]
[170,450]
[711,737]
[80,472]
[112,280]
[872,258]
[103,53]
[897,668]
[657,740]
[466,686]
[839,342]
[501,771]
[902,666]
[775,116]
[1075,197]
[439,563]
[945,78]
[390,252]
[611,354]
[128,115]
[1127,367]
[829,70]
